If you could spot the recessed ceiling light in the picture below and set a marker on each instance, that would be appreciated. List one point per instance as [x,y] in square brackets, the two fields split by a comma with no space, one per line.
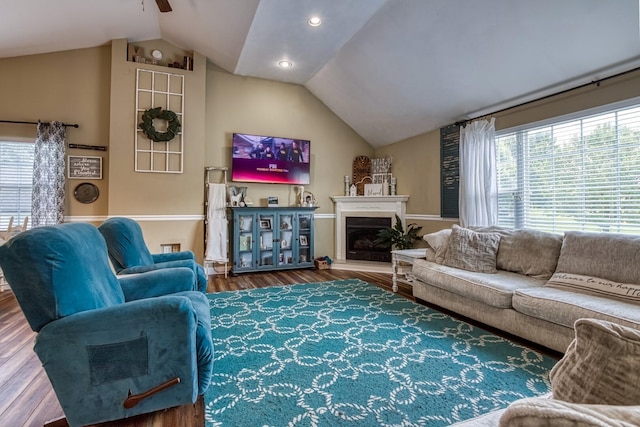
[314,21]
[285,64]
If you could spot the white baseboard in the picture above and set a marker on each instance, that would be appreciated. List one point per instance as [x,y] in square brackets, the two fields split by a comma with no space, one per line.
[364,266]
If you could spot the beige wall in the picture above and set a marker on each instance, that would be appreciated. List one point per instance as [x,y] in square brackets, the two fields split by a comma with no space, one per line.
[608,91]
[72,87]
[262,107]
[416,161]
[149,196]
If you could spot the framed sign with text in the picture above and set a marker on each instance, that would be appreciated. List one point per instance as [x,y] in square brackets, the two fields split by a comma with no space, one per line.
[84,167]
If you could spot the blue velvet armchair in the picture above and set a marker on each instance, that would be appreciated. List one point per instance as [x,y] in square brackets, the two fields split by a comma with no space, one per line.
[111,348]
[129,253]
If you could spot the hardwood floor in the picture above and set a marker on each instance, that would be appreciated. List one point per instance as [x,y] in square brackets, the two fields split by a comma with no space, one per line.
[26,396]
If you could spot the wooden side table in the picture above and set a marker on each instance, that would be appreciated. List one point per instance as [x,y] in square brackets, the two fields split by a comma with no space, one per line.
[406,255]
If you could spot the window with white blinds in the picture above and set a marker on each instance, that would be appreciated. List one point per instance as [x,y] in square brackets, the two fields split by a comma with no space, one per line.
[16,176]
[577,173]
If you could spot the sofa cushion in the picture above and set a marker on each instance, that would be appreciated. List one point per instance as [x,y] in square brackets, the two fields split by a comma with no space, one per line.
[604,255]
[492,289]
[530,252]
[595,286]
[601,366]
[472,250]
[438,241]
[539,412]
[564,307]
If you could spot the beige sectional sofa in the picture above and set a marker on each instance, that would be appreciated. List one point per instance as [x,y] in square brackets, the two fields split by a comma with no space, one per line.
[532,284]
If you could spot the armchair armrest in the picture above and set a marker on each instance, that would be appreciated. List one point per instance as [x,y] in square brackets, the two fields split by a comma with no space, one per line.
[168,264]
[199,283]
[173,256]
[94,358]
[156,283]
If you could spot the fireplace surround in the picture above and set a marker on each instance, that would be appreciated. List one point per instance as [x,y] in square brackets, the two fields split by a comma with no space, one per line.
[363,207]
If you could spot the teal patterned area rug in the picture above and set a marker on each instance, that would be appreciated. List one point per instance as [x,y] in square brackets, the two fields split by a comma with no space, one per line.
[347,353]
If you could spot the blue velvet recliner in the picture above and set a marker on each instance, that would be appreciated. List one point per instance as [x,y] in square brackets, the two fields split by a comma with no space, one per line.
[107,342]
[129,253]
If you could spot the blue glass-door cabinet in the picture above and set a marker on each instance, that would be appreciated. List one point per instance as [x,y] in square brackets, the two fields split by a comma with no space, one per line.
[271,238]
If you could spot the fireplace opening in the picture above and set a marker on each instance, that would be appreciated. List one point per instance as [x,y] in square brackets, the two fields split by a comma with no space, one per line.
[361,234]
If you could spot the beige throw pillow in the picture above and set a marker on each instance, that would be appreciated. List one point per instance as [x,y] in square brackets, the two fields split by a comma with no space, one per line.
[438,241]
[472,251]
[596,286]
[430,254]
[530,252]
[601,365]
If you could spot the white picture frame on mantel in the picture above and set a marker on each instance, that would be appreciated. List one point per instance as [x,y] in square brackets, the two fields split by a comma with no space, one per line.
[381,178]
[371,190]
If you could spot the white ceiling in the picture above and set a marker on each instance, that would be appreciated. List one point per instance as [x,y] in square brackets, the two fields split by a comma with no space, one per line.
[391,69]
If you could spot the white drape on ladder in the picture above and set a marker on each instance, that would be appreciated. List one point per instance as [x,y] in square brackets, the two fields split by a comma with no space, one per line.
[478,175]
[216,249]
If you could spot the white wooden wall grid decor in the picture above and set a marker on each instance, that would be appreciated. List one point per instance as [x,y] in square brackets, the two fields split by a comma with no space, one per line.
[165,90]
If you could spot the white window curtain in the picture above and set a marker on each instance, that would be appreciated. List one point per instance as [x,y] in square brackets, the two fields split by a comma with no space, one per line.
[478,178]
[47,205]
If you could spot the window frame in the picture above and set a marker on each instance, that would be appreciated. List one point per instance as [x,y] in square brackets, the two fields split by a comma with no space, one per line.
[15,211]
[518,196]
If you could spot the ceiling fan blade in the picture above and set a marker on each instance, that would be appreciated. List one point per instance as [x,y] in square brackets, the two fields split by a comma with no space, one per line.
[164,5]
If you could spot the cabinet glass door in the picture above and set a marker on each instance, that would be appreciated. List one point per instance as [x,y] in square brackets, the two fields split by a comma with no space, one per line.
[245,241]
[285,234]
[304,238]
[267,237]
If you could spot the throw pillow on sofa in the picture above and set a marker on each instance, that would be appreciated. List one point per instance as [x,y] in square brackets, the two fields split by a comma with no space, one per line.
[596,286]
[438,242]
[530,252]
[601,365]
[472,251]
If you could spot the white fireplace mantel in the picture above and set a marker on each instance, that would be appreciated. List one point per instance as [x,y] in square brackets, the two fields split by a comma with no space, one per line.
[365,206]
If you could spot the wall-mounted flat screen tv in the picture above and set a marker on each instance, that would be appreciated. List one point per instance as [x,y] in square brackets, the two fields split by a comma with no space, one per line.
[270,159]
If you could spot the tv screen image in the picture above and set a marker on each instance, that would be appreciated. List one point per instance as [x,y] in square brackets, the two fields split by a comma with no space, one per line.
[270,159]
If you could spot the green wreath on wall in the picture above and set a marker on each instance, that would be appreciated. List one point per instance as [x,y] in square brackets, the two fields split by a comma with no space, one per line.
[173,124]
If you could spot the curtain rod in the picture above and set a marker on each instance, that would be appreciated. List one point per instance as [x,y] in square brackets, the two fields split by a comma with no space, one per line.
[35,123]
[594,82]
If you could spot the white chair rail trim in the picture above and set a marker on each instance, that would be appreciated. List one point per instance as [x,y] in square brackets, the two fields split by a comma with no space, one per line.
[136,217]
[413,217]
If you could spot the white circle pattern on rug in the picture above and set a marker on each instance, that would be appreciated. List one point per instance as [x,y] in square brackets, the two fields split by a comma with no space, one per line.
[347,353]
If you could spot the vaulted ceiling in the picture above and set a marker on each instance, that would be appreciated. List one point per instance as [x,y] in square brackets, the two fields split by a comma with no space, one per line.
[391,69]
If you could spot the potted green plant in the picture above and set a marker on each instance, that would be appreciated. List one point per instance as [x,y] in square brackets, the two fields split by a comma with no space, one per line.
[397,237]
